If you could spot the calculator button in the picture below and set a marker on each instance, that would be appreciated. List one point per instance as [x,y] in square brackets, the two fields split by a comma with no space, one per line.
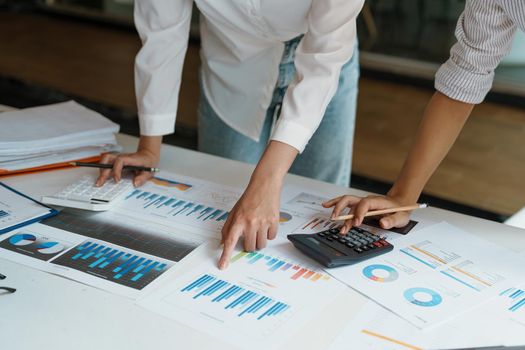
[321,234]
[348,244]
[329,238]
[358,250]
[334,230]
[342,240]
[371,246]
[335,236]
[377,244]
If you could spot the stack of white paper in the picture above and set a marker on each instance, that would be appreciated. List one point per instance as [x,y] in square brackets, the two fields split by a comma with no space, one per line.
[53,134]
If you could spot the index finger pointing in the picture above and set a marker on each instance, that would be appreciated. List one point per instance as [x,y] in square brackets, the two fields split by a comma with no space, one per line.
[229,246]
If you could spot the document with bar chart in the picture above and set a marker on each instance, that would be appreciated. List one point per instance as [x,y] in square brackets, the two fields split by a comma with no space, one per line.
[262,299]
[127,232]
[435,275]
[112,267]
[104,250]
[190,203]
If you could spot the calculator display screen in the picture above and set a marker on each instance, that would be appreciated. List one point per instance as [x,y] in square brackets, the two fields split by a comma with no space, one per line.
[325,247]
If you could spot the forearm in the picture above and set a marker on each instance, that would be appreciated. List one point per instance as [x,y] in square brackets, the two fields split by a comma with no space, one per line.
[274,163]
[441,124]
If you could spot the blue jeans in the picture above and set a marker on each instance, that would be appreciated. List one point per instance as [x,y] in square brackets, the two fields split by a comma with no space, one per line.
[328,155]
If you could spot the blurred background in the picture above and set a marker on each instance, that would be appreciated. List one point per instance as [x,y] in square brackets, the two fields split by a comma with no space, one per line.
[56,50]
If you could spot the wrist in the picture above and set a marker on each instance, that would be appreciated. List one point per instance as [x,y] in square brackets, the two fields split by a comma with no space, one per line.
[274,164]
[403,196]
[266,179]
[150,146]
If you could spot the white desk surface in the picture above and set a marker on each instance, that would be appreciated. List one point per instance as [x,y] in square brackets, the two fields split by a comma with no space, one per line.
[51,312]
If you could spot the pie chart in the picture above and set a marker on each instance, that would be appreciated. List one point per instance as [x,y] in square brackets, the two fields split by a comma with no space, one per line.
[22,239]
[284,217]
[380,273]
[50,248]
[423,297]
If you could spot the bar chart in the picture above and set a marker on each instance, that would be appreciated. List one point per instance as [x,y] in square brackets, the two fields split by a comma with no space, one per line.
[241,301]
[171,207]
[278,265]
[316,225]
[250,300]
[177,207]
[515,298]
[113,263]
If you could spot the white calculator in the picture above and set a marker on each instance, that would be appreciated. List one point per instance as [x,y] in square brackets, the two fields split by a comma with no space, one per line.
[83,194]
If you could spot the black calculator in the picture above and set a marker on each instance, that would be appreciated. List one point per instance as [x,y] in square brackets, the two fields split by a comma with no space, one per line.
[332,249]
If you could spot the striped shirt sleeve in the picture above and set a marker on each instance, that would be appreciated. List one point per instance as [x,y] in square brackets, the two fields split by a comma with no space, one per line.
[484,36]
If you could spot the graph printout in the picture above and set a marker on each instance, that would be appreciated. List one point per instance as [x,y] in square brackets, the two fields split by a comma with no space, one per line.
[114,264]
[128,232]
[35,243]
[500,321]
[436,274]
[263,298]
[189,203]
[125,269]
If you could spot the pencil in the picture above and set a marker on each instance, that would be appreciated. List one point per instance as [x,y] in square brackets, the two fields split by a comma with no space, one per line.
[381,212]
[110,166]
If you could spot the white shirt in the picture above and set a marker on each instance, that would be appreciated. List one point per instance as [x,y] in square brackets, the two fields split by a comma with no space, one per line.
[242,45]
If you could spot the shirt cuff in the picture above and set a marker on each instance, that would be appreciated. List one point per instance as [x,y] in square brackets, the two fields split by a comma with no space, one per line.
[461,85]
[293,134]
[156,124]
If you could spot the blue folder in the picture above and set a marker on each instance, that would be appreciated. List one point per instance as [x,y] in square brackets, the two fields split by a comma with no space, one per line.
[47,212]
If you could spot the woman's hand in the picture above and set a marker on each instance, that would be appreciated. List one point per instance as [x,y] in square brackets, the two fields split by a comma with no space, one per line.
[359,206]
[148,154]
[255,217]
[256,214]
